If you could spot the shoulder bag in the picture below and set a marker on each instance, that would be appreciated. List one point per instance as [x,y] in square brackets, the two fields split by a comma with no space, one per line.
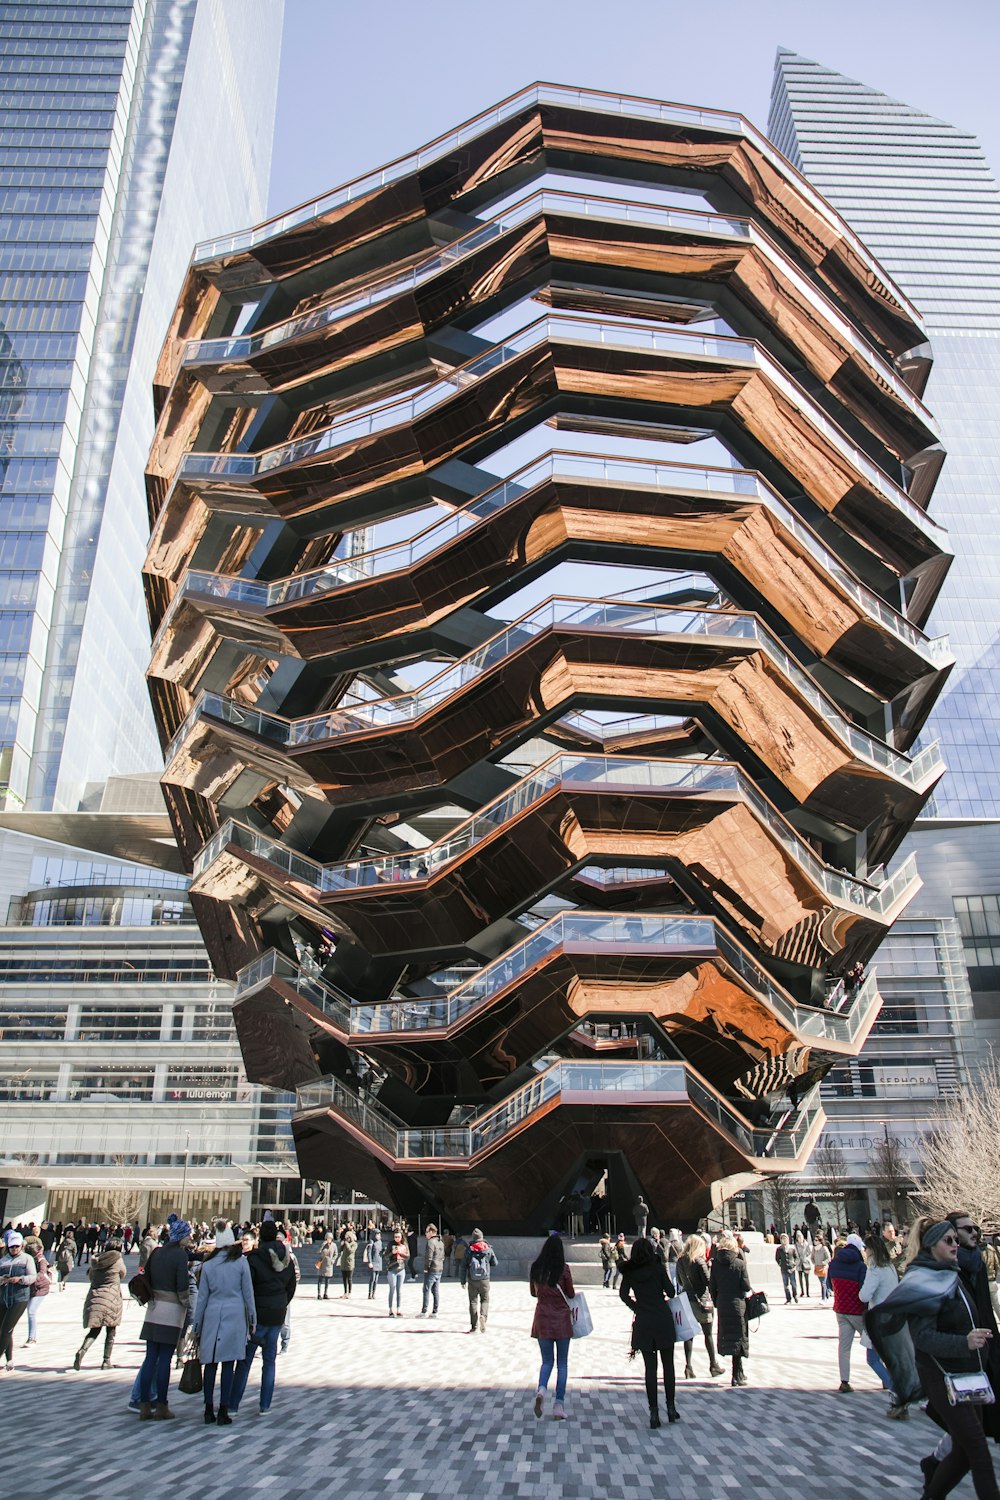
[140,1288]
[580,1320]
[757,1305]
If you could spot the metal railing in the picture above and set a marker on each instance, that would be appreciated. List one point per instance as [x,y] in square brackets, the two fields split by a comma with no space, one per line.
[721,625]
[643,1082]
[596,207]
[569,772]
[464,993]
[627,106]
[402,557]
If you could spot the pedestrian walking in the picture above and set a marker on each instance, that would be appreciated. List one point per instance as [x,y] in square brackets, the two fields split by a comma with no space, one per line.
[821,1264]
[224,1322]
[880,1281]
[166,1314]
[433,1267]
[396,1257]
[947,1342]
[273,1278]
[374,1258]
[102,1307]
[729,1286]
[551,1284]
[477,1264]
[347,1256]
[607,1255]
[40,1287]
[846,1272]
[284,1237]
[17,1276]
[65,1259]
[620,1252]
[802,1247]
[640,1212]
[324,1267]
[692,1277]
[647,1289]
[786,1262]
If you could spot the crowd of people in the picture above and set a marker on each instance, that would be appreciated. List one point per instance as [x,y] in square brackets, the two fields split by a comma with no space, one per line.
[925,1310]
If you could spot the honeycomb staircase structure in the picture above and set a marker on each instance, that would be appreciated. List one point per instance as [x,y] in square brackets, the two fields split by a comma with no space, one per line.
[542,786]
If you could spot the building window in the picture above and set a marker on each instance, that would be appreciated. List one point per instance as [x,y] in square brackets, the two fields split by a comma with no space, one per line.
[979,921]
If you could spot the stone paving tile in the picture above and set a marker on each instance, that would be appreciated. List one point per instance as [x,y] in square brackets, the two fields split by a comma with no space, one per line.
[366,1405]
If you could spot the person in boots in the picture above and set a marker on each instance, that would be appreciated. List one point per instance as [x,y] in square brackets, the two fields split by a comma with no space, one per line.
[102,1306]
[692,1277]
[647,1289]
[166,1314]
[477,1263]
[225,1318]
[729,1286]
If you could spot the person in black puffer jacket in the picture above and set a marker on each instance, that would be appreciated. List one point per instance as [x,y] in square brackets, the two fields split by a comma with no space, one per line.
[729,1286]
[647,1288]
[273,1277]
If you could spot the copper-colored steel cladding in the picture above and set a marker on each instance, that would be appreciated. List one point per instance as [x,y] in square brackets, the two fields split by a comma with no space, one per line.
[523,907]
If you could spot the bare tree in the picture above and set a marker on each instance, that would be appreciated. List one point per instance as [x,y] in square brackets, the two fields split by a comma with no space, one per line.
[961,1157]
[891,1176]
[832,1174]
[124,1197]
[779,1191]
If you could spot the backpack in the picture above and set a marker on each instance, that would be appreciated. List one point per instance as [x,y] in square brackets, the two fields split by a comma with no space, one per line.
[479,1265]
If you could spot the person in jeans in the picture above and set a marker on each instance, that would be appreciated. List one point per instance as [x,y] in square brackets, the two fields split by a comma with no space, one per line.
[550,1284]
[787,1264]
[34,1247]
[373,1257]
[846,1272]
[166,1313]
[433,1267]
[477,1263]
[225,1316]
[17,1276]
[273,1279]
[880,1280]
[821,1267]
[324,1267]
[397,1255]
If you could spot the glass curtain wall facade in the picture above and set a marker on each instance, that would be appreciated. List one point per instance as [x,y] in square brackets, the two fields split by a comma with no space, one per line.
[922,195]
[119,1062]
[104,181]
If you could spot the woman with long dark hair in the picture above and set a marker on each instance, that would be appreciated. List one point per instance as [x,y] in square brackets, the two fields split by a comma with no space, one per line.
[225,1315]
[647,1289]
[551,1283]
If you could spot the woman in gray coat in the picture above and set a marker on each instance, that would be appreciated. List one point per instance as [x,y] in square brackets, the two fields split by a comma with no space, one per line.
[102,1307]
[224,1318]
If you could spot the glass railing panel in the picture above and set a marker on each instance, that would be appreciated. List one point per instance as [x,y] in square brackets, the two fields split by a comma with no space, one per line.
[635,108]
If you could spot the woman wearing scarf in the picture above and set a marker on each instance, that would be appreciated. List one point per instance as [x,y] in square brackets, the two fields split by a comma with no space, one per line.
[927,1329]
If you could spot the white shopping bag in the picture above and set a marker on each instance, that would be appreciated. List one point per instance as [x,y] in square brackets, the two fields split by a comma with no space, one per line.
[581,1323]
[686,1325]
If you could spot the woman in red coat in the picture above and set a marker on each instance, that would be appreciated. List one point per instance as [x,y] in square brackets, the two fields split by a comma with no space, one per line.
[551,1284]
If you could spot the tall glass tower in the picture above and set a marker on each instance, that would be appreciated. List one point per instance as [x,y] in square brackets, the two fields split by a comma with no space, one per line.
[104,185]
[921,194]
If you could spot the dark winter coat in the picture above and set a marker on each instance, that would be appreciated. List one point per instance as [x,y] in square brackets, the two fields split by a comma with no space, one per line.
[273,1280]
[102,1307]
[692,1277]
[647,1291]
[552,1319]
[729,1286]
[166,1313]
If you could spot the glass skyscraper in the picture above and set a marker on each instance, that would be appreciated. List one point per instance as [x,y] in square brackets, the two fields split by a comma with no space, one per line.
[117,1048]
[920,192]
[104,185]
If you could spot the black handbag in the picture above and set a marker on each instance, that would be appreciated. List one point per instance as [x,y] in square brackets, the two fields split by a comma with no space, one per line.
[191,1381]
[757,1305]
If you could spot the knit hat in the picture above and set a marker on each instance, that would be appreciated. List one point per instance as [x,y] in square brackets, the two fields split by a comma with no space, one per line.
[936,1233]
[224,1237]
[268,1231]
[179,1230]
[477,1234]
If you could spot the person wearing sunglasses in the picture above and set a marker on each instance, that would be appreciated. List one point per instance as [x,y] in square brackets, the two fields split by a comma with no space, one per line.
[927,1330]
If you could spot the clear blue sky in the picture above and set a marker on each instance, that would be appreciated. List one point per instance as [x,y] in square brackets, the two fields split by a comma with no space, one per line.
[362,83]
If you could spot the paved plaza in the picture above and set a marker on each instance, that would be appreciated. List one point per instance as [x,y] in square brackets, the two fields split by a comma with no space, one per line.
[367,1405]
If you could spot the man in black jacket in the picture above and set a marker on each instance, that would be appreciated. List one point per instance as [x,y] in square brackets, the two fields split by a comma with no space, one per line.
[273,1278]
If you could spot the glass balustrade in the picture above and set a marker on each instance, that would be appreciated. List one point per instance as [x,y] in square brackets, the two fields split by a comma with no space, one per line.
[386,713]
[595,773]
[464,993]
[402,557]
[554,202]
[628,107]
[641,1082]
